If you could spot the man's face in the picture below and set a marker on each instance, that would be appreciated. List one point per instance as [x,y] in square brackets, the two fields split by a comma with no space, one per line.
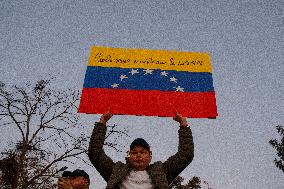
[139,158]
[80,182]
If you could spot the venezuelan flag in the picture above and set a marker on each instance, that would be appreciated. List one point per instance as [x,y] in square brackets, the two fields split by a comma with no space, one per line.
[148,82]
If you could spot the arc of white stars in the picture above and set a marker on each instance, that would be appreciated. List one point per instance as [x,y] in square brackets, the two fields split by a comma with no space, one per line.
[115,85]
[134,71]
[122,77]
[179,88]
[164,73]
[148,71]
[173,79]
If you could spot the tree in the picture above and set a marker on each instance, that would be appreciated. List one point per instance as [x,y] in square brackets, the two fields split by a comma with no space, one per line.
[193,183]
[177,183]
[45,120]
[279,146]
[8,167]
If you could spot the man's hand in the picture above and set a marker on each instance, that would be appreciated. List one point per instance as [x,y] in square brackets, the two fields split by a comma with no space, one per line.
[105,117]
[80,182]
[182,120]
[64,183]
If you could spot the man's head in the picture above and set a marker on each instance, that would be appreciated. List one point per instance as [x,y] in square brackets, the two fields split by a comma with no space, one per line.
[140,154]
[79,179]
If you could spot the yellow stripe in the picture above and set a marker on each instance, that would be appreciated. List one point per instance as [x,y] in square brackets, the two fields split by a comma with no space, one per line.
[150,59]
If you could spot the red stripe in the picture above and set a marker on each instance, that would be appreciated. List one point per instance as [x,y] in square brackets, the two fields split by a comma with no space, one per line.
[148,103]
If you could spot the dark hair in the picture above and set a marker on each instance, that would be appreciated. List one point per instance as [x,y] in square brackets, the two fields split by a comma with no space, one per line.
[140,142]
[67,174]
[79,172]
[76,173]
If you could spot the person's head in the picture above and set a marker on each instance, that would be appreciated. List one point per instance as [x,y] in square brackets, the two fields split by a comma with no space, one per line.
[140,154]
[79,179]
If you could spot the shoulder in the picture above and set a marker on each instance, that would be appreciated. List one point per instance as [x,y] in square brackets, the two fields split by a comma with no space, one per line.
[158,165]
[120,166]
[120,169]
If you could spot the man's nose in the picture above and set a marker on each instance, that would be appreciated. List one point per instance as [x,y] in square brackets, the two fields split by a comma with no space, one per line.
[138,155]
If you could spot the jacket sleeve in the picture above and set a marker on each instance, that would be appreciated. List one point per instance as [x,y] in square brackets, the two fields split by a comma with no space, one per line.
[96,153]
[175,164]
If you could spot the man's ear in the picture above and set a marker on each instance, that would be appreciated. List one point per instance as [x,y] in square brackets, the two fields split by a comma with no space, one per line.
[127,156]
[150,154]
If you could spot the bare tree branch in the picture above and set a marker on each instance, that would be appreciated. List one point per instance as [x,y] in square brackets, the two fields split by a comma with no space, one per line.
[45,116]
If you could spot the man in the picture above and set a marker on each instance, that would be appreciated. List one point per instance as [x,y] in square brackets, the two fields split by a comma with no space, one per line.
[78,179]
[138,172]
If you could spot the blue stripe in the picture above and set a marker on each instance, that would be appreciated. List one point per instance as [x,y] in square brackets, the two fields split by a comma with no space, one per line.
[104,77]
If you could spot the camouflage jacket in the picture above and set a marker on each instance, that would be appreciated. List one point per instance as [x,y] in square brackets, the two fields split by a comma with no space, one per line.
[161,174]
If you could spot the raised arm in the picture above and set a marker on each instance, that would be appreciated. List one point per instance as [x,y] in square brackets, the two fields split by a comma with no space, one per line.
[175,164]
[96,153]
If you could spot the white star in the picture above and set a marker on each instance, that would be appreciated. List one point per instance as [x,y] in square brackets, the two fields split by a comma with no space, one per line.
[148,71]
[134,72]
[179,89]
[173,79]
[164,73]
[115,85]
[122,77]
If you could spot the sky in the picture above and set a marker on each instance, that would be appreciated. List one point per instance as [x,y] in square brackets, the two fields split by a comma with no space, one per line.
[245,39]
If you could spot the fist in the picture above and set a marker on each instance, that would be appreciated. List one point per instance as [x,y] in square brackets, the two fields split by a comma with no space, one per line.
[64,183]
[105,117]
[182,120]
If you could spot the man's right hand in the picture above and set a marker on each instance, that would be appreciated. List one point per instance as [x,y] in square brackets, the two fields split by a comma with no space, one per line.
[64,183]
[105,117]
[182,120]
